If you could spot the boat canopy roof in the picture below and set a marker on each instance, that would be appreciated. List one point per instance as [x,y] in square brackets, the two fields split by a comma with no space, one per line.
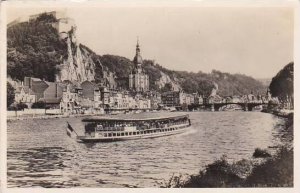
[137,117]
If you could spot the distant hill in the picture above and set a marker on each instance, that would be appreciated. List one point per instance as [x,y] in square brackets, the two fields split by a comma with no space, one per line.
[265,81]
[37,48]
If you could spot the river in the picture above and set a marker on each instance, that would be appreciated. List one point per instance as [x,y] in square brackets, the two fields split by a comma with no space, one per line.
[40,154]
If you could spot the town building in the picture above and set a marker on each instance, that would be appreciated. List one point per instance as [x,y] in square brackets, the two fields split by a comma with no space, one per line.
[90,91]
[48,92]
[189,99]
[23,94]
[155,99]
[198,99]
[71,99]
[105,96]
[138,79]
[173,98]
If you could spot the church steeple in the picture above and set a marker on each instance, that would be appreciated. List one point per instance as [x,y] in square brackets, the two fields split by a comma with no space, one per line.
[138,58]
[137,46]
[138,79]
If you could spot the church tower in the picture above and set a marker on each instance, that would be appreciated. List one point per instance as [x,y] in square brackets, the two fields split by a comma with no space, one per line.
[138,79]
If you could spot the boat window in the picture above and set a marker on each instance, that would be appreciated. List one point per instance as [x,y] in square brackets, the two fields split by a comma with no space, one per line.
[126,133]
[130,133]
[138,133]
[105,134]
[122,134]
[114,134]
[118,134]
[109,135]
[134,133]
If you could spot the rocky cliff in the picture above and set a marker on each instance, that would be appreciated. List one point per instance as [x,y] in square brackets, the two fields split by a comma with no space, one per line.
[79,65]
[165,79]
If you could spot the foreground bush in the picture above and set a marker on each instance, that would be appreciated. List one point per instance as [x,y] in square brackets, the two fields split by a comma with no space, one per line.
[274,171]
[261,153]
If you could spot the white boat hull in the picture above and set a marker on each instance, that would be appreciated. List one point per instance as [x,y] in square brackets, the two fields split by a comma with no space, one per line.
[90,139]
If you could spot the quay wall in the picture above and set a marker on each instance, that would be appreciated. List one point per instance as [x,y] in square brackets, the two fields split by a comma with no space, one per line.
[33,112]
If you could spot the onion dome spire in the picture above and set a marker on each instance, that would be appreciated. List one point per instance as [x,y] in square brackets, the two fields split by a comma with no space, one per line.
[138,58]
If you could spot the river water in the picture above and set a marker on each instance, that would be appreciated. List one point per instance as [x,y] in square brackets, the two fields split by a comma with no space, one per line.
[40,154]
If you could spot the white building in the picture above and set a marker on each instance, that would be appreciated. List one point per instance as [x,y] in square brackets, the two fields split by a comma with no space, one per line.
[24,94]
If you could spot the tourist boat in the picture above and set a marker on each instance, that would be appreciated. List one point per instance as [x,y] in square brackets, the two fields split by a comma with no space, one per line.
[128,127]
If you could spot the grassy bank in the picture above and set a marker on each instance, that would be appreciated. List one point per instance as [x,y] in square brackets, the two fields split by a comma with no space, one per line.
[262,170]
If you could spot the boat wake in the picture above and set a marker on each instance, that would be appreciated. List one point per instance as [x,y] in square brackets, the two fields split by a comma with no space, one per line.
[191,130]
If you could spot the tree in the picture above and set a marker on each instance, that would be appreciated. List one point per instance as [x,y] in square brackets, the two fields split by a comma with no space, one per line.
[39,105]
[167,87]
[10,94]
[21,106]
[282,85]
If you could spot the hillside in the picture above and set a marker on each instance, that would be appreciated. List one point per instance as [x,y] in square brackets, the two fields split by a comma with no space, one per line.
[34,49]
[282,85]
[39,48]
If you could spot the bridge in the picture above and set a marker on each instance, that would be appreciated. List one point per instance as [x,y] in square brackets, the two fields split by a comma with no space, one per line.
[246,106]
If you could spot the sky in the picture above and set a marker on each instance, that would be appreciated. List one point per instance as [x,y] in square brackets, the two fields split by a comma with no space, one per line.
[256,41]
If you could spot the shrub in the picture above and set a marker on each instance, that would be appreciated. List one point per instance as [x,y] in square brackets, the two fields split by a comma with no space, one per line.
[275,172]
[38,105]
[261,153]
[218,174]
[21,106]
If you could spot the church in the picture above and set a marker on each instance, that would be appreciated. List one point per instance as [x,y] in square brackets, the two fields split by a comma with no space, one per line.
[138,79]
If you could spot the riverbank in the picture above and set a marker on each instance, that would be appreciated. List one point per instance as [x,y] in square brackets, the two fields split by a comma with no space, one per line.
[279,112]
[48,116]
[264,169]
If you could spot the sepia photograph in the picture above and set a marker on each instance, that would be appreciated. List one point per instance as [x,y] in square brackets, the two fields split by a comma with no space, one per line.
[149,96]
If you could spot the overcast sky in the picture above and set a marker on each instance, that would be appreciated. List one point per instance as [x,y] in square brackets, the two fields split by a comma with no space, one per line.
[253,41]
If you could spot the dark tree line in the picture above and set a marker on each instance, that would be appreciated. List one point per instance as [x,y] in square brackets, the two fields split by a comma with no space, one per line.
[35,49]
[282,85]
[10,94]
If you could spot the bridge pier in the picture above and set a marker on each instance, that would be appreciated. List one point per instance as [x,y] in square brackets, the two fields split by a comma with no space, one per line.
[212,107]
[246,107]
